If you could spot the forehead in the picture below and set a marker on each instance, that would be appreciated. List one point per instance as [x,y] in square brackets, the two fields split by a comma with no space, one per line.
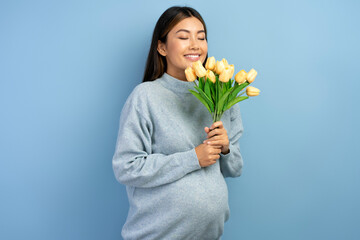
[191,24]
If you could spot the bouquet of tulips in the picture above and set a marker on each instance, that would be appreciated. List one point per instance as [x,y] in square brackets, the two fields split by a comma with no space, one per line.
[216,90]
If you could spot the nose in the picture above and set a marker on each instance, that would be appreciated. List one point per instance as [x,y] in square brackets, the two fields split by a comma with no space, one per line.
[194,43]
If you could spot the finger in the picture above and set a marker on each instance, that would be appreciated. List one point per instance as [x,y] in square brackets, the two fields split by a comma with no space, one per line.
[207,130]
[214,138]
[216,132]
[216,151]
[216,143]
[215,146]
[217,156]
[218,124]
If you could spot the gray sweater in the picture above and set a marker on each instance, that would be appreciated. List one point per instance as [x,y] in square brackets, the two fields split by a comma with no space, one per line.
[170,195]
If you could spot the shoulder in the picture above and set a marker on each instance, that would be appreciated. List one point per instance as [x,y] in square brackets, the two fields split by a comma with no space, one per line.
[143,94]
[146,89]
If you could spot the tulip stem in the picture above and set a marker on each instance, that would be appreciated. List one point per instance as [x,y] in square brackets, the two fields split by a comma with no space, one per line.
[216,116]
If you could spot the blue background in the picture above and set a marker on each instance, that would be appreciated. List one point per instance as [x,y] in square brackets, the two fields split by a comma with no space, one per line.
[67,68]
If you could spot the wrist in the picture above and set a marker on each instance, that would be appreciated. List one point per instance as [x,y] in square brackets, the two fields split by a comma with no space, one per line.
[225,151]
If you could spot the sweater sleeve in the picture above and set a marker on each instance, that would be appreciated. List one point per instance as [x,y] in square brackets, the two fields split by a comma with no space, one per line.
[134,164]
[231,163]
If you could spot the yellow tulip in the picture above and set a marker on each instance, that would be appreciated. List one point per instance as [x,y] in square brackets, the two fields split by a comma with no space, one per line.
[210,74]
[210,63]
[190,74]
[219,67]
[225,62]
[252,91]
[251,75]
[240,77]
[225,75]
[199,68]
[232,70]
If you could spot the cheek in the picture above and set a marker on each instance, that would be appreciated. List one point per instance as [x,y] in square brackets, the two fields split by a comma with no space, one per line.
[176,49]
[205,46]
[205,49]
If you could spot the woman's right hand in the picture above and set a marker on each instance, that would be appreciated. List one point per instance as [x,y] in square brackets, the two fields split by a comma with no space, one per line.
[207,154]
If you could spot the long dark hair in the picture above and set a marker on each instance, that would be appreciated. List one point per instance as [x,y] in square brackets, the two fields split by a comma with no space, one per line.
[156,63]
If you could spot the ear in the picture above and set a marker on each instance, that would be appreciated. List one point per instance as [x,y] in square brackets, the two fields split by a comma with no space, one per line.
[161,48]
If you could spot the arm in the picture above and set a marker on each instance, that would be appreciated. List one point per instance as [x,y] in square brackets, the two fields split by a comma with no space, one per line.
[135,165]
[231,163]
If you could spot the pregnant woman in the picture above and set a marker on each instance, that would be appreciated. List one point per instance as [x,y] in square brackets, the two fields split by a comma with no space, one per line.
[172,164]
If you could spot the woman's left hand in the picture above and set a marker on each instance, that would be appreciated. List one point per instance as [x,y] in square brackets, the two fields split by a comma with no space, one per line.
[218,136]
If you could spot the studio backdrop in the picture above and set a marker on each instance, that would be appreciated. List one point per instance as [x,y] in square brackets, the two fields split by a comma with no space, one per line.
[67,68]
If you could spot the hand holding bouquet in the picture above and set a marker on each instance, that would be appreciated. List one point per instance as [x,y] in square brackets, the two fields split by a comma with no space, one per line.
[216,90]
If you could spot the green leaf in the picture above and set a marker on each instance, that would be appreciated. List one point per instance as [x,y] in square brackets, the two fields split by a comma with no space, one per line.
[237,89]
[212,90]
[207,88]
[226,103]
[201,83]
[241,86]
[198,96]
[218,91]
[222,100]
[235,100]
[223,88]
[206,98]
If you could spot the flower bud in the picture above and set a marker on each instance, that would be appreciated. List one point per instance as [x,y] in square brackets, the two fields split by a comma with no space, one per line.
[190,74]
[210,74]
[199,68]
[225,62]
[219,67]
[210,63]
[225,75]
[252,91]
[251,75]
[240,77]
[232,70]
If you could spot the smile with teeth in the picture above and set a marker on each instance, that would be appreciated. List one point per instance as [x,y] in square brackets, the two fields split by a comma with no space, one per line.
[192,57]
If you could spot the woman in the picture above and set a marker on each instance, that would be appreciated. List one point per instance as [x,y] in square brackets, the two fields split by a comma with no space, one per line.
[174,167]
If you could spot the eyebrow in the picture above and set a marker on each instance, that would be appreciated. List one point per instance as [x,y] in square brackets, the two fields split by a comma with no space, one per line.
[189,31]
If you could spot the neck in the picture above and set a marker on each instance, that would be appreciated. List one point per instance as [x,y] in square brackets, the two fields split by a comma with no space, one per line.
[176,85]
[178,75]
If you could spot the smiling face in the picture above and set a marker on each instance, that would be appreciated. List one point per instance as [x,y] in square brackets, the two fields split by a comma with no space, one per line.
[185,44]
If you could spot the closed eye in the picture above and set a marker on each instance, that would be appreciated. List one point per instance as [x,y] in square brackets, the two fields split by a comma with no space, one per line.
[187,38]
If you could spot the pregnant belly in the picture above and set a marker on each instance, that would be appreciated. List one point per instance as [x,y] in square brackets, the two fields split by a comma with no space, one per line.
[200,195]
[199,198]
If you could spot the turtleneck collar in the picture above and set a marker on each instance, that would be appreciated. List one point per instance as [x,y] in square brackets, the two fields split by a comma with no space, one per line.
[176,85]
